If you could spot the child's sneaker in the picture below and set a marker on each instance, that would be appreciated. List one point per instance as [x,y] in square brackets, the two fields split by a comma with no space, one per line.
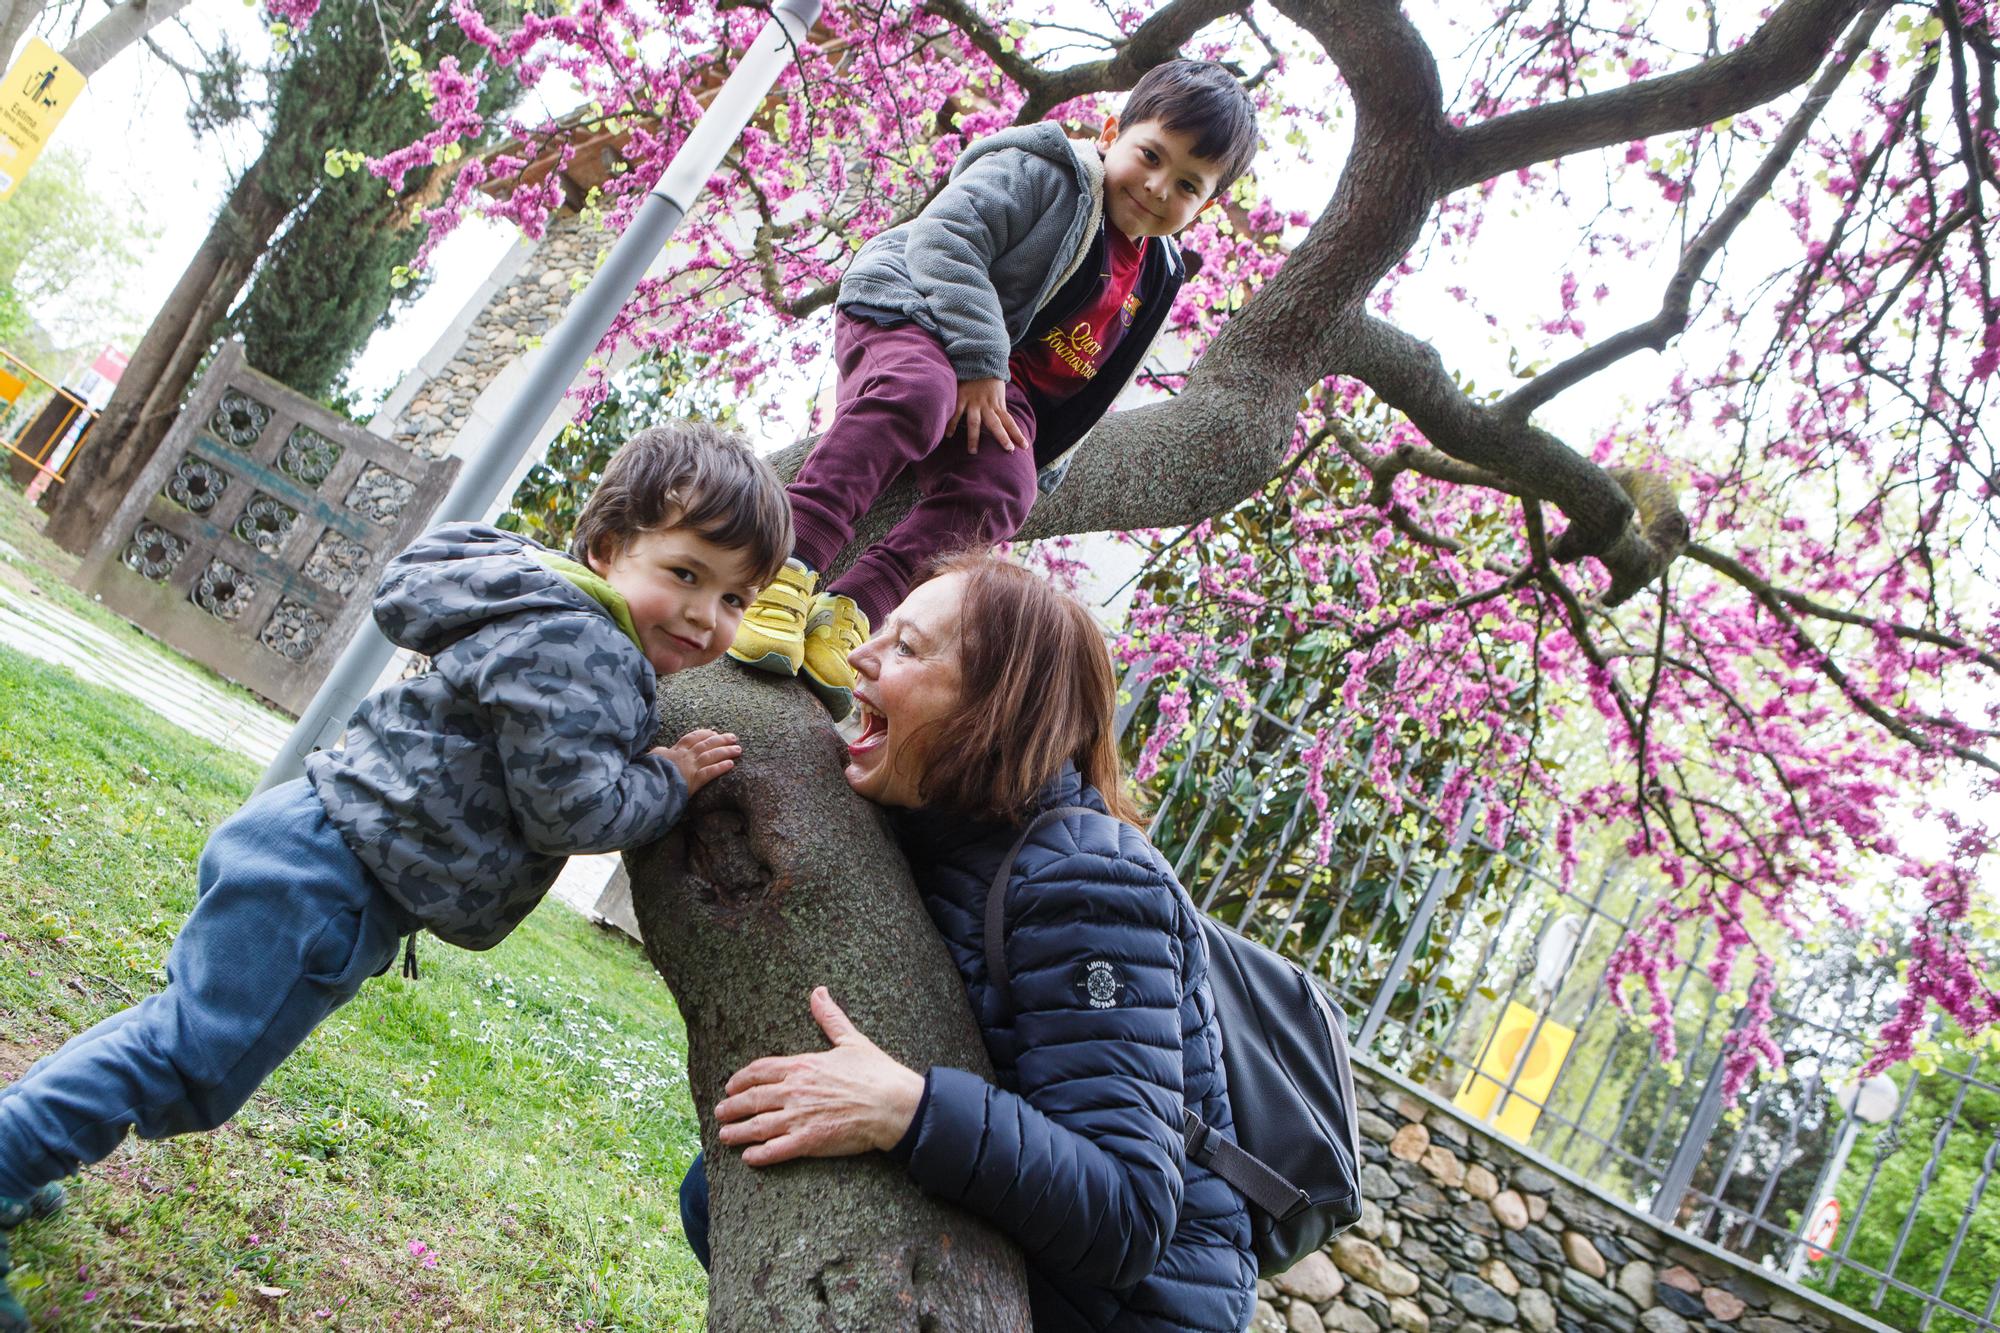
[835,628]
[772,636]
[44,1202]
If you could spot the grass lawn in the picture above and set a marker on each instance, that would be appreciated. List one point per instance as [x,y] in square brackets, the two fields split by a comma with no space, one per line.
[494,1146]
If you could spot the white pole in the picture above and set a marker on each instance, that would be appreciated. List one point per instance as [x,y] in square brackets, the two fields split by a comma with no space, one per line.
[566,350]
[1829,1181]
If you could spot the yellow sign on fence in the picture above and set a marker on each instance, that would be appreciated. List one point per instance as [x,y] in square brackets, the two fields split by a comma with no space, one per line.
[1533,1082]
[38,90]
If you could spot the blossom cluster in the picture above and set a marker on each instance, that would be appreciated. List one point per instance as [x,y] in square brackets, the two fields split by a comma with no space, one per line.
[1763,729]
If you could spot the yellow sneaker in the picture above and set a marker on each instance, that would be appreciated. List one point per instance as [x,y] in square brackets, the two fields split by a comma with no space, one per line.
[772,636]
[835,628]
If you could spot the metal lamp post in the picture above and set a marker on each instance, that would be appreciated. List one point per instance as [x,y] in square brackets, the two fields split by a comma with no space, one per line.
[565,351]
[1871,1102]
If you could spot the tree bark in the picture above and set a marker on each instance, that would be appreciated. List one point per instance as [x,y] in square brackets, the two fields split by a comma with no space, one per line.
[780,879]
[149,393]
[111,34]
[16,17]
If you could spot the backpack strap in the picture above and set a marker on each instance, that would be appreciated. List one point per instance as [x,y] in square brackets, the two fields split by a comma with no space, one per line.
[1255,1181]
[996,899]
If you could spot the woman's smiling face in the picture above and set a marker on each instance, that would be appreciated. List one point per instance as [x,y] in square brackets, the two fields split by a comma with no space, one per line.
[907,678]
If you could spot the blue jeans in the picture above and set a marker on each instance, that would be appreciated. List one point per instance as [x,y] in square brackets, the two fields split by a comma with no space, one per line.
[694,1209]
[286,926]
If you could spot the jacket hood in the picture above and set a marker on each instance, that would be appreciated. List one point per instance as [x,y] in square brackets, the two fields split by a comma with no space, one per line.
[1044,139]
[461,576]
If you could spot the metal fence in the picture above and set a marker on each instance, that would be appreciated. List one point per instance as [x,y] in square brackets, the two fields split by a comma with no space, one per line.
[1467,966]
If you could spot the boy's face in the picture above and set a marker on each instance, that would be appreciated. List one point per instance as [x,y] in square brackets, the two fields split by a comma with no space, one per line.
[687,594]
[1153,182]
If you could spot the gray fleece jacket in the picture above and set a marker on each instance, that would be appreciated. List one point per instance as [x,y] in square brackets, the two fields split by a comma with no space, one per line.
[463,790]
[1013,224]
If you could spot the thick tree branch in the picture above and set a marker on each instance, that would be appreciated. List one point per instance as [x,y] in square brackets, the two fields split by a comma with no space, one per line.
[1388,67]
[1385,468]
[1671,321]
[1779,55]
[1409,375]
[1155,41]
[128,22]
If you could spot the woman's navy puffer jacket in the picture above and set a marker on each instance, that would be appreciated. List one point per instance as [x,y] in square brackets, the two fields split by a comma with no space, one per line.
[1077,1153]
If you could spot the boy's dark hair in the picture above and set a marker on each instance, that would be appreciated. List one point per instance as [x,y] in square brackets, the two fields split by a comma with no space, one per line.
[1201,98]
[691,474]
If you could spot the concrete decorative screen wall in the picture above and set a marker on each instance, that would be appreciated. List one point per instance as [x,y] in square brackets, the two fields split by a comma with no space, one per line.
[258,530]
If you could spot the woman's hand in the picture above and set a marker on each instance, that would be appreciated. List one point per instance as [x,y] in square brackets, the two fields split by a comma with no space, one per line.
[823,1104]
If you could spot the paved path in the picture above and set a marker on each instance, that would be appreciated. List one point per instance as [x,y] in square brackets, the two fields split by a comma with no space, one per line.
[192,701]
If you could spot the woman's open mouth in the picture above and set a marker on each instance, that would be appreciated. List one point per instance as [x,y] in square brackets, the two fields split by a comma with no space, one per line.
[874,731]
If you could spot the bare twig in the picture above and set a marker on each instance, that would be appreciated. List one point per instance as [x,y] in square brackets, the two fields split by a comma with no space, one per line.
[1153,42]
[1672,318]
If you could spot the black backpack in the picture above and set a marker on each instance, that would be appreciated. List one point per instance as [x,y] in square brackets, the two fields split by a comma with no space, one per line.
[1297,1157]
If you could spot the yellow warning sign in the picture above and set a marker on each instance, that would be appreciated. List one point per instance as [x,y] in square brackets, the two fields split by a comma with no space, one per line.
[38,90]
[1533,1080]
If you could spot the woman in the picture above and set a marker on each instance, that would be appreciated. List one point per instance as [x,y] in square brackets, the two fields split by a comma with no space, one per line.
[986,697]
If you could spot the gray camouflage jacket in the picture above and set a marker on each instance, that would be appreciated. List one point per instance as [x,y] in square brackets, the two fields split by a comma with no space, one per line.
[463,790]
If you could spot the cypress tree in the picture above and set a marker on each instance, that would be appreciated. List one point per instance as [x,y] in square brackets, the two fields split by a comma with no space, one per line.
[325,284]
[348,85]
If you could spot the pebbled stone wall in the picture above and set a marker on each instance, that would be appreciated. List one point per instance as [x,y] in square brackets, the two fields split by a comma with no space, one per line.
[1467,1232]
[520,312]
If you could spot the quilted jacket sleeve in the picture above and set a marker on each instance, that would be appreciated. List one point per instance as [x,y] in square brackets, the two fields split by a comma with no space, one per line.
[566,716]
[981,214]
[1083,1168]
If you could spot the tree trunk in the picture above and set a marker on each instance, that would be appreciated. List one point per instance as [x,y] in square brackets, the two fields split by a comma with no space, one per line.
[124,25]
[149,393]
[16,17]
[778,880]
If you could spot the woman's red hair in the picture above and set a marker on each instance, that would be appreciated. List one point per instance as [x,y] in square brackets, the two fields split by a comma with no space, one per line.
[1036,688]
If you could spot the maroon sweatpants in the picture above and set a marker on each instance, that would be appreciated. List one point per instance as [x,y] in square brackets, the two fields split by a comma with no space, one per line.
[893,400]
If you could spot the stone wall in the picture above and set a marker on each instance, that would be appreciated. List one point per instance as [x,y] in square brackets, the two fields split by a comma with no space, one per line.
[428,411]
[1466,1232]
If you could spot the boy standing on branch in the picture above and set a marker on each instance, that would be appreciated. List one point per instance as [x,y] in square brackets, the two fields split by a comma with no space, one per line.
[1017,306]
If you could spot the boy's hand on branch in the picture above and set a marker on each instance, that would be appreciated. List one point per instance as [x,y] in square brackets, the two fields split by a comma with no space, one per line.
[701,756]
[982,405]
